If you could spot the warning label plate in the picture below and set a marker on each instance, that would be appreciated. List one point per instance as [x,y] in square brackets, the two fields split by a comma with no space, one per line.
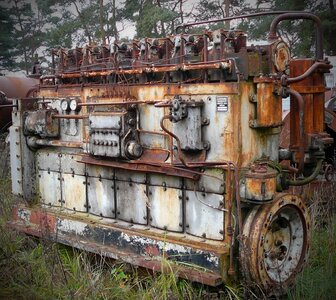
[222,103]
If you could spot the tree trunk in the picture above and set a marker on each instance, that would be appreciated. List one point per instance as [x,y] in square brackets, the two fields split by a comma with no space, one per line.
[227,12]
[181,11]
[161,22]
[25,54]
[114,22]
[101,20]
[87,32]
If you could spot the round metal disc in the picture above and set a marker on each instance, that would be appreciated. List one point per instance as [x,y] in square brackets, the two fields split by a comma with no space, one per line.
[276,239]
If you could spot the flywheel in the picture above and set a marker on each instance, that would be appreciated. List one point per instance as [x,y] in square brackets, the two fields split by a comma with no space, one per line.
[275,244]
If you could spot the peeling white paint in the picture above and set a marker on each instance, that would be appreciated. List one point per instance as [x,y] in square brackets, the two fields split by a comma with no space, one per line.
[76,227]
[24,215]
[166,246]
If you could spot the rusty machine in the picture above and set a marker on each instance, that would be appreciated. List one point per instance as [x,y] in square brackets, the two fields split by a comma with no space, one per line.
[168,148]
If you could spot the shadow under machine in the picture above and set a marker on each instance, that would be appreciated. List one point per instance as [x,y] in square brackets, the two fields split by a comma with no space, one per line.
[169,148]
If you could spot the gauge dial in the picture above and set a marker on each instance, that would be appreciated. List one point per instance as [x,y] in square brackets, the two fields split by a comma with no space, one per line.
[65,105]
[73,105]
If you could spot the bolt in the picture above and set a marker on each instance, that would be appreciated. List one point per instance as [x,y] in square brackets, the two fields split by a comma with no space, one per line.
[278,243]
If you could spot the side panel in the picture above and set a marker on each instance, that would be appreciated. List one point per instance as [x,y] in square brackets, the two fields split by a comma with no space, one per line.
[100,193]
[15,159]
[204,217]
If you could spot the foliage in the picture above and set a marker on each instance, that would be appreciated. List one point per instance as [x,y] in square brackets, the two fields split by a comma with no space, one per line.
[299,34]
[152,18]
[26,34]
[6,40]
[30,28]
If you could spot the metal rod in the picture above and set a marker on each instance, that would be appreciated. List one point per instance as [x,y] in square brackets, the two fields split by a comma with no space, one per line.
[310,178]
[117,103]
[306,74]
[294,15]
[70,116]
[264,13]
[8,105]
[300,102]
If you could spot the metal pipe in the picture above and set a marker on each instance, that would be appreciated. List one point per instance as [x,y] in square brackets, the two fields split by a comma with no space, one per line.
[179,151]
[70,116]
[295,16]
[117,103]
[35,142]
[7,105]
[229,229]
[310,178]
[300,102]
[311,70]
[264,13]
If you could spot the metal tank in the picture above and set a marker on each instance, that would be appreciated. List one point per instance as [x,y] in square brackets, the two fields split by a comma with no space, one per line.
[168,149]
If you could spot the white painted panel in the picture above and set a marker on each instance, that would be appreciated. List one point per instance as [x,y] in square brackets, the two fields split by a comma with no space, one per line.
[50,187]
[201,219]
[74,192]
[166,208]
[131,202]
[101,197]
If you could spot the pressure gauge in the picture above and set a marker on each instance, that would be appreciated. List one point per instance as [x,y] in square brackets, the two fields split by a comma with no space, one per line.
[74,105]
[65,105]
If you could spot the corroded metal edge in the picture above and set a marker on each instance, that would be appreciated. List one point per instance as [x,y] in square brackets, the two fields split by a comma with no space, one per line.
[163,254]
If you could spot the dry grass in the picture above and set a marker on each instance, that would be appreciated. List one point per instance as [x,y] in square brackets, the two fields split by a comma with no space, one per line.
[39,269]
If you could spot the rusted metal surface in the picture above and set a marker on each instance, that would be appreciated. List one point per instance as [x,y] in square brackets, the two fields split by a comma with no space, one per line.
[260,184]
[126,244]
[41,123]
[163,141]
[143,167]
[268,107]
[56,116]
[275,246]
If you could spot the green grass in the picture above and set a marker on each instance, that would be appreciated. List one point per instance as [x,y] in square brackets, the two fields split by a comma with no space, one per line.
[39,269]
[318,279]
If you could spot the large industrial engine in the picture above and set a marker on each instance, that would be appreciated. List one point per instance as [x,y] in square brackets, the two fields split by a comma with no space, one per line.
[168,149]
